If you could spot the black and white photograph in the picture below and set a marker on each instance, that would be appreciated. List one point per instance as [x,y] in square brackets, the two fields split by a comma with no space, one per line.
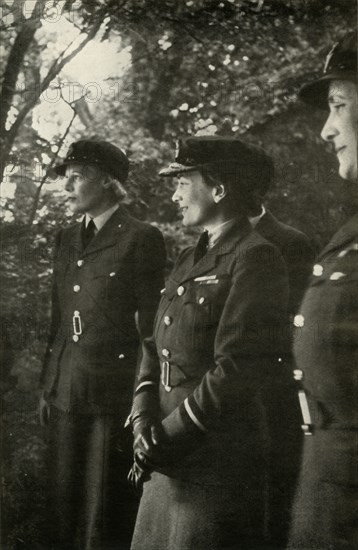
[179,275]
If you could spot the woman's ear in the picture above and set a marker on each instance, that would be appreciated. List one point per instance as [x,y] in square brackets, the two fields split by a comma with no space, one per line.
[219,192]
[106,181]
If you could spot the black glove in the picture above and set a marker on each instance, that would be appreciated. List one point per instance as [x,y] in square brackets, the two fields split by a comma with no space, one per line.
[146,434]
[137,475]
[152,447]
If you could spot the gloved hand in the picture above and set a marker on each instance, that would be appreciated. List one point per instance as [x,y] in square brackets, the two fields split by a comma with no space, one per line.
[44,410]
[152,447]
[137,476]
[146,434]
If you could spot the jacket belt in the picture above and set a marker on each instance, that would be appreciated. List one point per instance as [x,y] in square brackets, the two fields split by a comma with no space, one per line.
[314,415]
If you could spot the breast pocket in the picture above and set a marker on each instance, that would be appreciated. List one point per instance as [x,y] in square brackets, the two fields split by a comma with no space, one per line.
[200,312]
[113,284]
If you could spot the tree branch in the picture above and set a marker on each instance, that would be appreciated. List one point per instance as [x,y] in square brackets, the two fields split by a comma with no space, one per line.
[13,67]
[54,70]
[53,160]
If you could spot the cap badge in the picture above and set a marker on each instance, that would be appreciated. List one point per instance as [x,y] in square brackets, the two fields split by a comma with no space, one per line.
[177,147]
[329,57]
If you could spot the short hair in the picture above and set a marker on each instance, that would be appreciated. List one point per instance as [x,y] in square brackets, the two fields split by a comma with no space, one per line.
[247,184]
[116,186]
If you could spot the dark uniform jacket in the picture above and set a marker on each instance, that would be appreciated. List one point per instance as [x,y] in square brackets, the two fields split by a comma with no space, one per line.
[280,398]
[97,292]
[296,250]
[217,338]
[326,352]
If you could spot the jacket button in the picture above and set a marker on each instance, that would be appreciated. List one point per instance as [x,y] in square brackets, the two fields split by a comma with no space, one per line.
[201,300]
[337,275]
[112,274]
[180,290]
[317,270]
[166,353]
[167,320]
[298,374]
[76,288]
[75,338]
[299,321]
[121,356]
[80,263]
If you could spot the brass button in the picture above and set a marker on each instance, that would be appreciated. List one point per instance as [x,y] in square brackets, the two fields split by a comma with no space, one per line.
[201,300]
[317,270]
[298,374]
[166,353]
[299,321]
[112,274]
[167,320]
[76,288]
[80,263]
[75,338]
[121,356]
[180,290]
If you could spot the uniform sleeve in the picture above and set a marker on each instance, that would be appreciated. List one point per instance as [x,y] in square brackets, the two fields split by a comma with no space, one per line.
[146,395]
[55,313]
[149,277]
[250,332]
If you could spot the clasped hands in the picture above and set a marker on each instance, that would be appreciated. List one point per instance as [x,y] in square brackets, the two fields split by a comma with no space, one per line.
[151,448]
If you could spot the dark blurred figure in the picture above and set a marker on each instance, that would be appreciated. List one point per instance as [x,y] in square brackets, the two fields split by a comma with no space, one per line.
[285,438]
[326,342]
[108,273]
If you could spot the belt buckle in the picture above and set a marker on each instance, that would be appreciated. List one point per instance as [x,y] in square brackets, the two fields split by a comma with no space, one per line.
[306,416]
[77,324]
[166,376]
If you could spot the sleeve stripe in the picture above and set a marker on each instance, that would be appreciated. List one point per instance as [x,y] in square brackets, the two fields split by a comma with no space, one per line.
[193,417]
[147,383]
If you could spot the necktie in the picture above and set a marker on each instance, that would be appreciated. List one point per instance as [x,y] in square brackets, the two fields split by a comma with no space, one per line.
[88,233]
[202,247]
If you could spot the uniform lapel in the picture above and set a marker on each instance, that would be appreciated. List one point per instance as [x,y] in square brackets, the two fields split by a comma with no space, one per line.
[347,233]
[76,238]
[225,245]
[110,232]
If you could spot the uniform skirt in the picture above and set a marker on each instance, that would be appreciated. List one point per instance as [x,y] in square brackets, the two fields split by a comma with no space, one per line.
[325,510]
[177,515]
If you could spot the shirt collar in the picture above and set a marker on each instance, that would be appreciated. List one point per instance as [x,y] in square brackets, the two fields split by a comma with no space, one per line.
[219,230]
[255,219]
[100,220]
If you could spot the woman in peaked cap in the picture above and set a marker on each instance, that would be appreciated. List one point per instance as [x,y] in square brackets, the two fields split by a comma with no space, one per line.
[197,417]
[326,344]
